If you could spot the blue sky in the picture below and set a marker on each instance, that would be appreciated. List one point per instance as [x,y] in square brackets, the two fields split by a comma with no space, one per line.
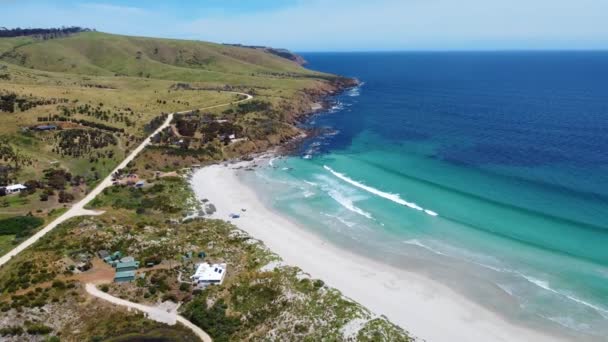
[338,25]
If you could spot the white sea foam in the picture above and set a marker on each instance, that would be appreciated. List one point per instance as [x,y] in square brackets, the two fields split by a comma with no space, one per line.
[348,203]
[391,197]
[417,242]
[307,194]
[568,322]
[342,220]
[506,289]
[545,285]
[271,161]
[354,92]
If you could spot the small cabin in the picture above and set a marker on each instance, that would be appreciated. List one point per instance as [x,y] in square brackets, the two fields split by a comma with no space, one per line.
[45,128]
[208,274]
[14,189]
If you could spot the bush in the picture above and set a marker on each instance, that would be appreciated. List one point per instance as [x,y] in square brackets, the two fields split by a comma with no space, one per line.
[184,287]
[38,329]
[105,288]
[213,320]
[20,226]
[65,197]
[59,284]
[11,330]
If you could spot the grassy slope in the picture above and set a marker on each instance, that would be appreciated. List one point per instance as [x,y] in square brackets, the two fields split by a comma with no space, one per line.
[146,69]
[102,54]
[138,73]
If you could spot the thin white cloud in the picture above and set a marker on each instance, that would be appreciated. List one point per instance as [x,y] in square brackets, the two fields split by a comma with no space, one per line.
[416,24]
[352,24]
[112,8]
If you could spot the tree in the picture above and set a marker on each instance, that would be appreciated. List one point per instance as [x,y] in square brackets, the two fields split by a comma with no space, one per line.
[65,197]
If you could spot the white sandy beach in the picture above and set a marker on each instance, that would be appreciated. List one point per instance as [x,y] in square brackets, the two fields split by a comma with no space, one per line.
[426,308]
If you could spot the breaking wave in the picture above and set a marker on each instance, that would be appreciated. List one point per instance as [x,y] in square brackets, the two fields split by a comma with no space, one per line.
[391,197]
[348,203]
[545,285]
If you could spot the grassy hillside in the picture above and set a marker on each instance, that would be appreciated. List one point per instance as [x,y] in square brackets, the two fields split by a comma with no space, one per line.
[102,54]
[102,91]
[103,94]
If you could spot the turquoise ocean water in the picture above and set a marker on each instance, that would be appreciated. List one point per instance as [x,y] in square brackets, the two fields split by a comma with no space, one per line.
[484,171]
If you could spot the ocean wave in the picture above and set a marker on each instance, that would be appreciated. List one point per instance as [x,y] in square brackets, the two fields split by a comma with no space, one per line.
[348,203]
[545,285]
[338,106]
[354,92]
[391,197]
[342,220]
[416,242]
[568,322]
[307,194]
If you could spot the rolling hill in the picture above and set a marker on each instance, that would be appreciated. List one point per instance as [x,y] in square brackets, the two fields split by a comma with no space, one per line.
[102,54]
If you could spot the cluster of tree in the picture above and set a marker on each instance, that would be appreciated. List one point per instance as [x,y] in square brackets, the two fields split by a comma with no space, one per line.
[221,130]
[93,85]
[82,122]
[99,113]
[20,226]
[186,127]
[57,178]
[46,33]
[155,123]
[78,142]
[212,319]
[7,102]
[253,106]
[26,273]
[11,161]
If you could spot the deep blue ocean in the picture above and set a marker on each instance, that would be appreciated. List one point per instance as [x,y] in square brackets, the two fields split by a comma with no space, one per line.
[487,171]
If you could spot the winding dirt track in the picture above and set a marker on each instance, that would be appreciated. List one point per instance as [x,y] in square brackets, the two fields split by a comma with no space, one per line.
[154,313]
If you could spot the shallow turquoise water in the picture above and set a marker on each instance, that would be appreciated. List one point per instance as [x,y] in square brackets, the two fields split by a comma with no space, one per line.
[471,170]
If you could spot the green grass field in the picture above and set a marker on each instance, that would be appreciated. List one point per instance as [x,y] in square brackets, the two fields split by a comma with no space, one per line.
[110,87]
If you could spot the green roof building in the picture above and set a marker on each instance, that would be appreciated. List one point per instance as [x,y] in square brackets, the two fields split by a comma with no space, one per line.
[127,266]
[124,276]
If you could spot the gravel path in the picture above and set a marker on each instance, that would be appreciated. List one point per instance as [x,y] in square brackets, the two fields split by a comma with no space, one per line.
[169,317]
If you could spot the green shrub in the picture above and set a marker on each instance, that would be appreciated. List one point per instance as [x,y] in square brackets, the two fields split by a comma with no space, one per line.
[12,330]
[38,329]
[21,226]
[213,320]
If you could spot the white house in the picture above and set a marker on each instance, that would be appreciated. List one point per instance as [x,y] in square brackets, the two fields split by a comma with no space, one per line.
[207,274]
[15,188]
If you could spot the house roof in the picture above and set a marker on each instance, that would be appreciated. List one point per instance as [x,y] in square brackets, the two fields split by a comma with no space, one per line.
[207,272]
[16,187]
[124,274]
[127,264]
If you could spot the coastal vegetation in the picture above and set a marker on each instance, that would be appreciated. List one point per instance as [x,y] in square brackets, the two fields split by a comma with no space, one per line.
[260,297]
[72,108]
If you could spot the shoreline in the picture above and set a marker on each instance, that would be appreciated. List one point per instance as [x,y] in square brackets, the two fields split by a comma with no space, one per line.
[410,300]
